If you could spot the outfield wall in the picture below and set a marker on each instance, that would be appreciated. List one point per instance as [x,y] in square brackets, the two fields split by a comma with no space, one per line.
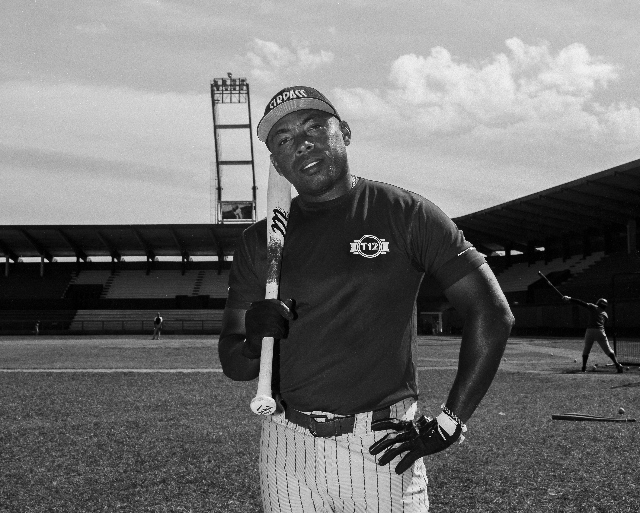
[66,288]
[569,319]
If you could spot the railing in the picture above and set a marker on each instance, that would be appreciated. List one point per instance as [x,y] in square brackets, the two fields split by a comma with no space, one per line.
[139,326]
[30,325]
[111,326]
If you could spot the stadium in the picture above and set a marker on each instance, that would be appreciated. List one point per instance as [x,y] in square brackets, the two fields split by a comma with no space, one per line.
[95,416]
[113,278]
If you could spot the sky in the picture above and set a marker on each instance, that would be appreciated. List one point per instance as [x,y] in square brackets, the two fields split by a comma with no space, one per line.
[105,107]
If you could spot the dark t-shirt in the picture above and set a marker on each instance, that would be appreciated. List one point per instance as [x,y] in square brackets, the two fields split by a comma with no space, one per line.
[597,316]
[353,265]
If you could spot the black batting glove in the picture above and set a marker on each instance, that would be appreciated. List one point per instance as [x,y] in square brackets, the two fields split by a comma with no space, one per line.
[266,318]
[417,438]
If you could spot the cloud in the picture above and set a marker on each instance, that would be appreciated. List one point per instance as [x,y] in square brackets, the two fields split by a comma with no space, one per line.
[71,167]
[120,152]
[119,124]
[92,28]
[56,188]
[528,90]
[172,17]
[270,62]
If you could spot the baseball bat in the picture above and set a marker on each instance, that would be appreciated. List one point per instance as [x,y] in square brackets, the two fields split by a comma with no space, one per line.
[551,284]
[632,384]
[278,205]
[592,418]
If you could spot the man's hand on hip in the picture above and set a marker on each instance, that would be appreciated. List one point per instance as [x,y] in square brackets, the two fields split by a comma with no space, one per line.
[417,438]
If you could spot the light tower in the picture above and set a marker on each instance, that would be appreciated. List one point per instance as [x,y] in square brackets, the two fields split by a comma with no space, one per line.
[234,168]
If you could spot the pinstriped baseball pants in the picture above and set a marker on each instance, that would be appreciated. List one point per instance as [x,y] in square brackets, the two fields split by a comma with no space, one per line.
[300,473]
[592,335]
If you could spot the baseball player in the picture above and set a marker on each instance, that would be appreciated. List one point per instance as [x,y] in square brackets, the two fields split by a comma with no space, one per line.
[157,327]
[344,437]
[595,330]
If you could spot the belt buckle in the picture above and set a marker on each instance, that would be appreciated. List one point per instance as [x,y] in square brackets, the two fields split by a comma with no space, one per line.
[329,428]
[312,426]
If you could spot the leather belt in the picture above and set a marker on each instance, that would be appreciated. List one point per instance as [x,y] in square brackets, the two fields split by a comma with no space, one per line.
[330,427]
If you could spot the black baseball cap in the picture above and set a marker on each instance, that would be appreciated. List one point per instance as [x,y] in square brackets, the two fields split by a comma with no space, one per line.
[289,100]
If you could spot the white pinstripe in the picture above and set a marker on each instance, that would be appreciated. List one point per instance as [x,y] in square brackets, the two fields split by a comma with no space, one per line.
[302,474]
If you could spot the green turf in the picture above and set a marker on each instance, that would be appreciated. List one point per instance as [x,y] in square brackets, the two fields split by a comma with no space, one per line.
[143,442]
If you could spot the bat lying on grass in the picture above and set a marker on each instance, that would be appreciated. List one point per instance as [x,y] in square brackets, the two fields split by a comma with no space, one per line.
[592,418]
[278,205]
[632,384]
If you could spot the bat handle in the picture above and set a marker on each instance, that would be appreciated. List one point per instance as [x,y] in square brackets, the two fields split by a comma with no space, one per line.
[263,403]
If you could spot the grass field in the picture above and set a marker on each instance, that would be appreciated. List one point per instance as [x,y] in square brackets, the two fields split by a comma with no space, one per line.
[134,425]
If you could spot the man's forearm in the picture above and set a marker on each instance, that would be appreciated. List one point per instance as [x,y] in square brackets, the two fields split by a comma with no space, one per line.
[578,301]
[483,342]
[234,364]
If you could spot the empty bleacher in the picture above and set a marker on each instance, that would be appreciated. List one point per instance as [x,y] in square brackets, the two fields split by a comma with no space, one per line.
[520,276]
[156,284]
[498,264]
[91,277]
[164,284]
[214,284]
[25,282]
[87,284]
[618,269]
[539,310]
[113,296]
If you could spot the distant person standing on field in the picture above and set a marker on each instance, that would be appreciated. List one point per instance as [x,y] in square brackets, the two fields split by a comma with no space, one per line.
[36,330]
[157,327]
[595,330]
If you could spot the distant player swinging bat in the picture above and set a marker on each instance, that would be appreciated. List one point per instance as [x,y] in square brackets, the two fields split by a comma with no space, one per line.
[551,284]
[278,205]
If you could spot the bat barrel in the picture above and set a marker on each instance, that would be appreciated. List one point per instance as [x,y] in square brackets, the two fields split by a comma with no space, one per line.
[550,284]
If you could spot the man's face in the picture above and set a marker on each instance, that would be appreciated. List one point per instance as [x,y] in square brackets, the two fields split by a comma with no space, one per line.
[308,148]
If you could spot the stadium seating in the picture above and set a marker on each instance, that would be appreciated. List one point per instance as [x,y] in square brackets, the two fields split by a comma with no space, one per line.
[519,276]
[590,278]
[597,280]
[25,282]
[214,284]
[160,284]
[156,284]
[91,277]
[123,297]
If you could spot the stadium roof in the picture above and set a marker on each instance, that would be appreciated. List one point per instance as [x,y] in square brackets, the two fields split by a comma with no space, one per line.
[117,241]
[595,202]
[598,201]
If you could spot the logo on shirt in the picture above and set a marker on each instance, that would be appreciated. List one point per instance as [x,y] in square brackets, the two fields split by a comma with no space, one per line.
[369,246]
